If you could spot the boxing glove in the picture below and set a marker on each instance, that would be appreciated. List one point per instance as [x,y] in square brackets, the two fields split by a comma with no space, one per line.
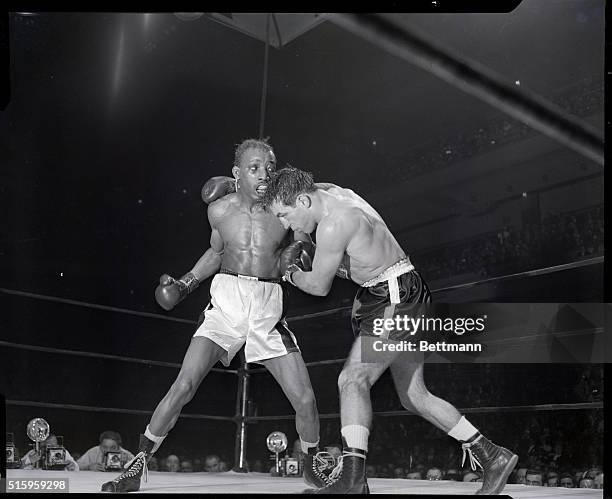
[297,256]
[170,292]
[217,187]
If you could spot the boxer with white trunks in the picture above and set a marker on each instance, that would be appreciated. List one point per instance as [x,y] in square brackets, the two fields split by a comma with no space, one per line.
[351,234]
[247,307]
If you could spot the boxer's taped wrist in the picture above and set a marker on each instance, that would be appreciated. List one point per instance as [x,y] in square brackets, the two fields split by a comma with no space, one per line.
[289,273]
[343,272]
[187,284]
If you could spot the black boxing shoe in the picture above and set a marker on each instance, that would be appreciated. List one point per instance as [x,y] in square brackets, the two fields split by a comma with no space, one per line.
[348,476]
[496,462]
[317,468]
[129,480]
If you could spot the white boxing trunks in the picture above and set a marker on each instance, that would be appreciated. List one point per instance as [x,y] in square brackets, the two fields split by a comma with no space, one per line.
[247,310]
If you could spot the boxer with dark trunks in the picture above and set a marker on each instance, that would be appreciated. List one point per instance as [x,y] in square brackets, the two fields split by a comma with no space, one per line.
[247,308]
[353,241]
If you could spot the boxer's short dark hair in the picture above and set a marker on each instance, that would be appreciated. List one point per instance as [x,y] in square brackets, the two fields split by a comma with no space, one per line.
[287,184]
[260,144]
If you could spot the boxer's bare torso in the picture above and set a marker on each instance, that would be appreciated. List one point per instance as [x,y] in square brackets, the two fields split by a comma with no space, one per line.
[371,248]
[249,238]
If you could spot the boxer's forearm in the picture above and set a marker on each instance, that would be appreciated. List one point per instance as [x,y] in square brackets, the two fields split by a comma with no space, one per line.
[310,283]
[208,264]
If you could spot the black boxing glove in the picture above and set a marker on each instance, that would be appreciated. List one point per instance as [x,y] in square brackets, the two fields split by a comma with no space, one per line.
[170,292]
[217,187]
[297,256]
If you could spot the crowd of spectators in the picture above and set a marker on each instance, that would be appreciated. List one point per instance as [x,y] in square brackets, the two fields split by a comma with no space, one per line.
[555,448]
[549,445]
[565,443]
[559,238]
[95,458]
[583,98]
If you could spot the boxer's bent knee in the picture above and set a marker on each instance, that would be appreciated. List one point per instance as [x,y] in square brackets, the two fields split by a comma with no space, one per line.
[354,376]
[306,403]
[406,402]
[184,388]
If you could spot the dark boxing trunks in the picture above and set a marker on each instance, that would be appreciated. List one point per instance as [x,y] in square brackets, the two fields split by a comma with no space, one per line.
[399,295]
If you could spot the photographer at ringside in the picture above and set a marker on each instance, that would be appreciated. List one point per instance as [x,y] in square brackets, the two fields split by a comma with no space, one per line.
[32,458]
[107,456]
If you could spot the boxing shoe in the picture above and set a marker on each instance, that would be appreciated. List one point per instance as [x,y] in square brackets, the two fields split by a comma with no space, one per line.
[348,477]
[317,468]
[129,480]
[496,462]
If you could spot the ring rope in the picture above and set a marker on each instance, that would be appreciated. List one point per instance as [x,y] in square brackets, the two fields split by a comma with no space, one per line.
[467,410]
[95,306]
[89,408]
[528,273]
[82,353]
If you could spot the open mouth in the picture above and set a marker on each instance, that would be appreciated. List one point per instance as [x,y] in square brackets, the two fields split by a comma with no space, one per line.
[262,188]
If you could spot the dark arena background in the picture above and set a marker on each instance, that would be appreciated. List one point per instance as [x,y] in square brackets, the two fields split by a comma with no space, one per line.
[116,120]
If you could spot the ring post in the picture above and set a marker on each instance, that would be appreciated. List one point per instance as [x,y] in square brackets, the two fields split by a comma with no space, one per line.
[240,464]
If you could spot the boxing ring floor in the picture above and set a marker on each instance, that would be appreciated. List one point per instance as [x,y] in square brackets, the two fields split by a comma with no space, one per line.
[262,483]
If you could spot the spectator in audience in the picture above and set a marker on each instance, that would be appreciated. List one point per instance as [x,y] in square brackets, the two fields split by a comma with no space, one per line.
[533,478]
[212,463]
[173,464]
[586,483]
[434,474]
[592,473]
[414,475]
[566,480]
[520,475]
[94,458]
[371,471]
[599,480]
[552,479]
[579,475]
[186,466]
[30,460]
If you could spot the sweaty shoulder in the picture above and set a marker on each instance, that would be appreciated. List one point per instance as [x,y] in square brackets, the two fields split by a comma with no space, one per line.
[340,221]
[219,208]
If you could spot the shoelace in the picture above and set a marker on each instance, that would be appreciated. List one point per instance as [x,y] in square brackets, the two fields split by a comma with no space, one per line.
[473,461]
[133,471]
[337,471]
[320,458]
